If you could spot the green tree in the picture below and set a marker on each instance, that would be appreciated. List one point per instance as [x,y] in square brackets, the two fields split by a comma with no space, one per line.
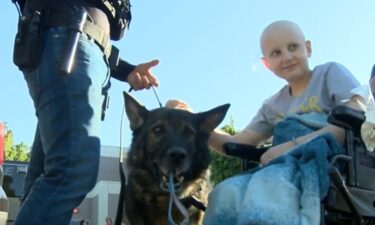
[16,152]
[224,166]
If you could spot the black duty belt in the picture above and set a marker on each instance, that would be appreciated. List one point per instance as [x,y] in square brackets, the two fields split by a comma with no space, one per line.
[56,19]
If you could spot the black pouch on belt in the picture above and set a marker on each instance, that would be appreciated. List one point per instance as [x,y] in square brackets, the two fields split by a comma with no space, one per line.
[27,44]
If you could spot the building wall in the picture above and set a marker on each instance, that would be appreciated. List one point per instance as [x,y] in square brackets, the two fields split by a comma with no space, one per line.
[102,201]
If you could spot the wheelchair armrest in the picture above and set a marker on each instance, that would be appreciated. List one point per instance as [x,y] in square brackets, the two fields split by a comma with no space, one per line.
[347,118]
[244,151]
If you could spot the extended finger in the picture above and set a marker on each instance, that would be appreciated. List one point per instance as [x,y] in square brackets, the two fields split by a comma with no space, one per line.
[152,63]
[151,77]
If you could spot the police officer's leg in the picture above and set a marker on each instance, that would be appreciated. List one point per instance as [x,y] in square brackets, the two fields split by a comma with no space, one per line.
[68,110]
[36,165]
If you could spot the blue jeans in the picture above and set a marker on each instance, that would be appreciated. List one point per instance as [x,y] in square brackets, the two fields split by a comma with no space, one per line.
[65,154]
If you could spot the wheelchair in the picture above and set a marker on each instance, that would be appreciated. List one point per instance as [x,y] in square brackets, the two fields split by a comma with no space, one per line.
[351,196]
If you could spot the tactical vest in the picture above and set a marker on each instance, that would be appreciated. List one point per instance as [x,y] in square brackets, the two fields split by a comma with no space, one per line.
[117,11]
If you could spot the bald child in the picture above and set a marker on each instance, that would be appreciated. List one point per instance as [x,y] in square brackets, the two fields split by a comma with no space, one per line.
[286,53]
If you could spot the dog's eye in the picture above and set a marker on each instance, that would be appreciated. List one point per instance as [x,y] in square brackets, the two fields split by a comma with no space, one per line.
[188,131]
[158,130]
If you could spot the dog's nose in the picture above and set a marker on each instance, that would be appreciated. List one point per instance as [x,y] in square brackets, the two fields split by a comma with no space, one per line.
[176,154]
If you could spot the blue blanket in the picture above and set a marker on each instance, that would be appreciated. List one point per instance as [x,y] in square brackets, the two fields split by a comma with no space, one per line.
[287,191]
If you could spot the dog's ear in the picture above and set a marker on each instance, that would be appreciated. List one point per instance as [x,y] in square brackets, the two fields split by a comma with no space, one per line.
[135,111]
[212,118]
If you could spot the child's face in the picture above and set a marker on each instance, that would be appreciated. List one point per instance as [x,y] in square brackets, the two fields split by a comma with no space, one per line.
[285,52]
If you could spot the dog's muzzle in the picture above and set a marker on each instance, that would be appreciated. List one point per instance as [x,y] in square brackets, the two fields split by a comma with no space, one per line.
[177,182]
[175,163]
[163,177]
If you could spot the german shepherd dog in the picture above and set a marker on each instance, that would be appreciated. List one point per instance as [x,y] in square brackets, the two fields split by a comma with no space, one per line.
[167,141]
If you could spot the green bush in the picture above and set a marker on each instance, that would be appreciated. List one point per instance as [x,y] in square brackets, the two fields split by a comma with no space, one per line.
[223,166]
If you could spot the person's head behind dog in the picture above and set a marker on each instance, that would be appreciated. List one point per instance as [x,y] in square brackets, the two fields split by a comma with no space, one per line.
[171,140]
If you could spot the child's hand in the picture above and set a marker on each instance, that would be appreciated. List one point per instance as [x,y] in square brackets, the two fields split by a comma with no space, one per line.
[178,104]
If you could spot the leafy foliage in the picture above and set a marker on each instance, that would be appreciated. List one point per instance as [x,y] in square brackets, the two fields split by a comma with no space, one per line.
[224,166]
[15,152]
